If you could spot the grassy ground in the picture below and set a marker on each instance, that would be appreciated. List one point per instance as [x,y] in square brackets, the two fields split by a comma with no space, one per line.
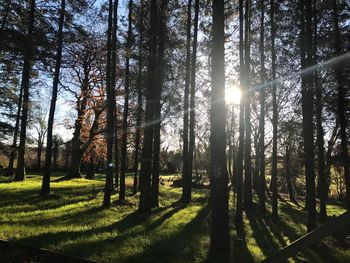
[72,221]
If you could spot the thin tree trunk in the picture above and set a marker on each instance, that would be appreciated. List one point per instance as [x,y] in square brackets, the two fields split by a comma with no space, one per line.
[307,110]
[274,115]
[146,159]
[219,237]
[248,201]
[113,83]
[186,181]
[319,127]
[25,83]
[9,169]
[124,153]
[262,112]
[45,187]
[339,74]
[39,150]
[193,95]
[110,112]
[239,161]
[139,104]
[288,176]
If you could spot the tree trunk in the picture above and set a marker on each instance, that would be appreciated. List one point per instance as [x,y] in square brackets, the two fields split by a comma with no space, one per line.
[45,187]
[90,173]
[25,83]
[10,171]
[146,159]
[193,94]
[248,141]
[123,165]
[39,150]
[219,237]
[113,84]
[239,161]
[139,103]
[339,74]
[186,177]
[288,176]
[75,163]
[110,111]
[274,116]
[262,112]
[320,133]
[307,110]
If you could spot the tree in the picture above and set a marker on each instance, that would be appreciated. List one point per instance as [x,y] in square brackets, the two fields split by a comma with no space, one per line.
[262,110]
[139,101]
[146,159]
[192,137]
[186,188]
[25,85]
[219,237]
[339,74]
[307,111]
[240,155]
[248,141]
[45,188]
[274,115]
[110,110]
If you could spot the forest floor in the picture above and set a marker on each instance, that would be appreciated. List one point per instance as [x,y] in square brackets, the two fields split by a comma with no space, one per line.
[71,221]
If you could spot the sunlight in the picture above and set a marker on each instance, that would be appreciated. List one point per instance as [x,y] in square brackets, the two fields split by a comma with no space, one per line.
[232,95]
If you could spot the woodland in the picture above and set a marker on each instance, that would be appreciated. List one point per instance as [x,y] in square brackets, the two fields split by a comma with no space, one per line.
[174,131]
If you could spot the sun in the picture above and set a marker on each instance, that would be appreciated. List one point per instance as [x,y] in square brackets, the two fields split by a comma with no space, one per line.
[232,95]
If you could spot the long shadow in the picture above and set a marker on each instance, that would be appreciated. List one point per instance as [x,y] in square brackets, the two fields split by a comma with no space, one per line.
[262,234]
[319,253]
[240,251]
[122,227]
[185,240]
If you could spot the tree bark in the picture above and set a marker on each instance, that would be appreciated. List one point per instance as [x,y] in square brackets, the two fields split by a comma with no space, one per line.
[274,115]
[25,83]
[123,165]
[193,94]
[146,159]
[186,180]
[339,74]
[45,187]
[219,237]
[239,161]
[139,104]
[248,197]
[262,94]
[110,111]
[288,175]
[307,110]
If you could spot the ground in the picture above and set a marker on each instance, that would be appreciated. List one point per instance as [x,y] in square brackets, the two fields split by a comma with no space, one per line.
[71,221]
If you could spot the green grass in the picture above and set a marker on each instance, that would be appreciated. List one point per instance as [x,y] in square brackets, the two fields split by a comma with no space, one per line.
[72,221]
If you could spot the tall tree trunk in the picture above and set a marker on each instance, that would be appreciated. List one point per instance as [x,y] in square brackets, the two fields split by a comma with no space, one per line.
[9,169]
[45,187]
[262,111]
[193,94]
[186,183]
[339,74]
[274,115]
[110,111]
[39,150]
[139,103]
[90,169]
[146,159]
[113,83]
[320,133]
[239,161]
[219,237]
[25,83]
[124,152]
[307,110]
[75,163]
[162,33]
[248,141]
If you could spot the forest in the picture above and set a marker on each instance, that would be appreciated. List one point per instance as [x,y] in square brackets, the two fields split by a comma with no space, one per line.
[174,131]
